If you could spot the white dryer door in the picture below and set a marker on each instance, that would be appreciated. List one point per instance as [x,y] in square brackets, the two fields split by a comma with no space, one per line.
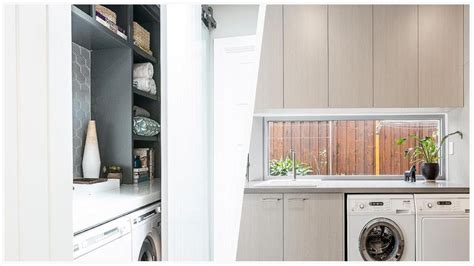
[444,239]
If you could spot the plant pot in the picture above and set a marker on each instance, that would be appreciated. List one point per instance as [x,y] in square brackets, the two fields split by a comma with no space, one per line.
[430,171]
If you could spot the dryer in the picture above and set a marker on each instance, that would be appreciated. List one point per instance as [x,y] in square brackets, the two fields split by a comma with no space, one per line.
[146,233]
[380,227]
[442,227]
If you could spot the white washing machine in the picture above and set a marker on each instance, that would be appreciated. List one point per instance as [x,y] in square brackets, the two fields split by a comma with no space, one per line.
[380,227]
[146,234]
[110,242]
[442,227]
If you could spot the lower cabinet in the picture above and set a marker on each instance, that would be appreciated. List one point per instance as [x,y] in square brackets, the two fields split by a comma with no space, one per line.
[261,228]
[292,227]
[313,227]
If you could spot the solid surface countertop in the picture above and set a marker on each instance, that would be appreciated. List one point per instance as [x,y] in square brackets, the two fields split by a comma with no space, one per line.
[92,210]
[362,186]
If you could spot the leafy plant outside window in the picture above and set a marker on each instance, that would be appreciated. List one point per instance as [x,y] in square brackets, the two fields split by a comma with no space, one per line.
[283,167]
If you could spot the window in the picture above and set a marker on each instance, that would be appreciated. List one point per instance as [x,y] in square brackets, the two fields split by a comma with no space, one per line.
[354,147]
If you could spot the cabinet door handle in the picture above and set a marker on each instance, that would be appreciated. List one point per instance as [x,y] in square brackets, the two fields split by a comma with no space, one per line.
[271,199]
[302,199]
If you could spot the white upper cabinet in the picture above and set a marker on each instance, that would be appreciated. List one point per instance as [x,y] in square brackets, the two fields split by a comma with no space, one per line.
[270,76]
[441,55]
[305,56]
[350,56]
[395,56]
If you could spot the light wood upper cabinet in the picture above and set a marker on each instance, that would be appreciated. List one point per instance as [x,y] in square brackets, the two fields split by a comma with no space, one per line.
[314,227]
[305,56]
[350,56]
[261,228]
[440,55]
[270,76]
[395,56]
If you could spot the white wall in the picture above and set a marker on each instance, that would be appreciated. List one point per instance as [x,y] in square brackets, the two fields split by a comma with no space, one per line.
[235,20]
[235,63]
[38,142]
[185,134]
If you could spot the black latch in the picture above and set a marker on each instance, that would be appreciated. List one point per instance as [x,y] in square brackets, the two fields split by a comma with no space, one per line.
[207,17]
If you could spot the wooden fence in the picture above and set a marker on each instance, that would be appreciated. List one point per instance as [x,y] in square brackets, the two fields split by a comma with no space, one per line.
[347,147]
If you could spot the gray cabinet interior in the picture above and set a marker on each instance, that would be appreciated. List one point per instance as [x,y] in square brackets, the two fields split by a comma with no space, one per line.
[112,93]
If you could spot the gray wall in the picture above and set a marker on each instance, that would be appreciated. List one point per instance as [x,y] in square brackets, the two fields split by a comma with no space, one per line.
[81,102]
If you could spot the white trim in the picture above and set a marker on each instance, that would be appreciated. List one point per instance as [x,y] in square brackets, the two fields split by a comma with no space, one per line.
[10,151]
[60,161]
[332,117]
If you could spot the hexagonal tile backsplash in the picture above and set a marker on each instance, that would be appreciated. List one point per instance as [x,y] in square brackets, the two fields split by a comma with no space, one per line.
[81,102]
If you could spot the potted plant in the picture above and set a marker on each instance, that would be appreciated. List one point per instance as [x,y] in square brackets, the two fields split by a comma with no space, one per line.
[427,152]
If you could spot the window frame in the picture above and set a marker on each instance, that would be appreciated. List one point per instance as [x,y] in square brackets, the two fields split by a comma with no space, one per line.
[442,131]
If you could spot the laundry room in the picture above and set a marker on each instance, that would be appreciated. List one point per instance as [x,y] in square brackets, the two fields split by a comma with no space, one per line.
[360,140]
[204,133]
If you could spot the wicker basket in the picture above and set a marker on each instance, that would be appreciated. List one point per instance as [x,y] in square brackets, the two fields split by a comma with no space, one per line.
[109,14]
[141,36]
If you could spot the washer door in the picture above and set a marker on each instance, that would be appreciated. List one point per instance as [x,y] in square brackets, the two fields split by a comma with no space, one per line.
[381,240]
[148,250]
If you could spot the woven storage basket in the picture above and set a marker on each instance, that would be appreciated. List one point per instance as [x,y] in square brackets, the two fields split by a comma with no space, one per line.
[141,36]
[107,13]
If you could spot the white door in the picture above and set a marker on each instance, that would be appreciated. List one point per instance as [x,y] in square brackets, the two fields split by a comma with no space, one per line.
[444,239]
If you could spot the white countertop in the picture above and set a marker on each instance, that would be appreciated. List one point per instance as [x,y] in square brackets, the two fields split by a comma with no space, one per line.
[91,210]
[361,186]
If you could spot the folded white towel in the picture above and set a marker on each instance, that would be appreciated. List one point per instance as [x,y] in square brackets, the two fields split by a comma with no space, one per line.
[143,70]
[145,84]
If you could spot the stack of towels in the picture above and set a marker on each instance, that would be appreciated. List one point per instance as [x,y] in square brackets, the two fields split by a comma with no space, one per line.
[143,78]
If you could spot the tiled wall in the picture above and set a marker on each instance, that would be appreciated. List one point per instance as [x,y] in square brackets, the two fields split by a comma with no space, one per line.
[81,102]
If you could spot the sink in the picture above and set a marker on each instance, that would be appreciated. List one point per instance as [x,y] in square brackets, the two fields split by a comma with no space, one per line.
[289,183]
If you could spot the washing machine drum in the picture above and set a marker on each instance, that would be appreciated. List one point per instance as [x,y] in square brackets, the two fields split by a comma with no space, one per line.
[381,240]
[151,248]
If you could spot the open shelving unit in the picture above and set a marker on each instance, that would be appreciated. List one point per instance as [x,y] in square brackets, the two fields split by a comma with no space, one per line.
[112,93]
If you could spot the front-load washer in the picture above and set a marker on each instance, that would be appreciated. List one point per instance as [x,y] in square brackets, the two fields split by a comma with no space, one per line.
[146,233]
[442,227]
[109,242]
[380,227]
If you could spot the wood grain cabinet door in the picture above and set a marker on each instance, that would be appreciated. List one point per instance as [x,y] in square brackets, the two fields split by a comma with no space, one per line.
[305,56]
[441,55]
[270,76]
[261,228]
[395,56]
[350,56]
[314,227]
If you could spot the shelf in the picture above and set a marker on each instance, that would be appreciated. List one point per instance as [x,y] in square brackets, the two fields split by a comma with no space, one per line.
[145,138]
[144,94]
[90,34]
[140,56]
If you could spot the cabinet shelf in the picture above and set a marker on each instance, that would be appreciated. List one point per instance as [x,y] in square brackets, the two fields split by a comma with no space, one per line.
[145,138]
[90,34]
[144,94]
[141,56]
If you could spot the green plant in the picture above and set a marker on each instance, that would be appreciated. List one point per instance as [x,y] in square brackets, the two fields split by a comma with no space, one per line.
[284,166]
[426,149]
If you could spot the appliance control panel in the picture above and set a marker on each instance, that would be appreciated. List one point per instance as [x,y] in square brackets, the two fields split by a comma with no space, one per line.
[448,205]
[390,206]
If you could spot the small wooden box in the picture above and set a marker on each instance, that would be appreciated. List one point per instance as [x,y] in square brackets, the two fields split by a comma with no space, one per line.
[109,14]
[141,36]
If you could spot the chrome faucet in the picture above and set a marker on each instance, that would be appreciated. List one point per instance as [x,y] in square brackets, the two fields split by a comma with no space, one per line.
[293,159]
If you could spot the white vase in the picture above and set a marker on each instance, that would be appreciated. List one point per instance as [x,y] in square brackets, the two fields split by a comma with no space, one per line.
[91,158]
